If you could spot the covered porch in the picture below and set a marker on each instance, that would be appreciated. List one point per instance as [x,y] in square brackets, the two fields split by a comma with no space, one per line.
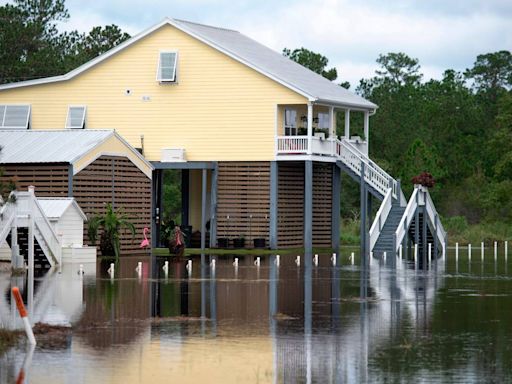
[318,130]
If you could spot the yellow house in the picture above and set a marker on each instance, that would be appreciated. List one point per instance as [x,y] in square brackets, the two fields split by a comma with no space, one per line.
[253,131]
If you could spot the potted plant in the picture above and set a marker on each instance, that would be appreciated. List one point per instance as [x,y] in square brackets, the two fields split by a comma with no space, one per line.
[177,242]
[260,243]
[110,224]
[222,242]
[425,179]
[239,242]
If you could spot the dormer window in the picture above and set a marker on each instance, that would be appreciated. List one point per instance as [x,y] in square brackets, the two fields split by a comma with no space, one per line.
[167,67]
[14,116]
[76,117]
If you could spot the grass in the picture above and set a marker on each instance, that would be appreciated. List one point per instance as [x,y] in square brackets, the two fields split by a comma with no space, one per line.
[8,339]
[217,251]
[459,231]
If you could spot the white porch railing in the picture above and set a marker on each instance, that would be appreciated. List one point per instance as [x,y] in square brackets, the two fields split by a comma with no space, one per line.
[342,150]
[292,145]
[407,218]
[380,218]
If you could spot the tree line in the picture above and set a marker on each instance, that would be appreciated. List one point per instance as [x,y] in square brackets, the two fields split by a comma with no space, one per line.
[458,128]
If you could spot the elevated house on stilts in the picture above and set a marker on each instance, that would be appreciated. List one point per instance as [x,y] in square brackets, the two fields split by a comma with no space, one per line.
[253,133]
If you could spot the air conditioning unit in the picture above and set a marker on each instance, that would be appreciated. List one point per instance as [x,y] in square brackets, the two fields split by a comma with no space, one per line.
[173,155]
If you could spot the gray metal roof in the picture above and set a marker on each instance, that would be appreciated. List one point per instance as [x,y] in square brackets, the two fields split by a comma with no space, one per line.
[54,208]
[275,65]
[243,49]
[64,146]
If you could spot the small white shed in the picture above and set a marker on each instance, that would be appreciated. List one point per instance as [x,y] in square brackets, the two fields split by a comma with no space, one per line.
[67,219]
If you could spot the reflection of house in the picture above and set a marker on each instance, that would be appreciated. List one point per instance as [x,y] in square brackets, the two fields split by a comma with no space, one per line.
[253,133]
[94,167]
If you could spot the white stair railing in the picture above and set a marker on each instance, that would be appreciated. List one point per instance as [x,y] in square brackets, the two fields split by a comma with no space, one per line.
[380,218]
[420,197]
[433,216]
[47,235]
[7,214]
[407,218]
[374,175]
[26,205]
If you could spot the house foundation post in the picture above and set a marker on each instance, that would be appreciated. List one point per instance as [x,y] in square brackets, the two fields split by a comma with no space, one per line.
[213,207]
[274,183]
[364,217]
[308,207]
[335,220]
[203,208]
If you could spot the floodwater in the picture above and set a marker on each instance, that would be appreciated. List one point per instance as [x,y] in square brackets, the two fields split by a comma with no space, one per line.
[269,324]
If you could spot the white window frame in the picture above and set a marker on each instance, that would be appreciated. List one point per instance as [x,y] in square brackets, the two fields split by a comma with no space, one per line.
[293,129]
[175,78]
[27,122]
[82,126]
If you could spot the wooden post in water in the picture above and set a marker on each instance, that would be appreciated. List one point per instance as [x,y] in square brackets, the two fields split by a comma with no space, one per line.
[482,250]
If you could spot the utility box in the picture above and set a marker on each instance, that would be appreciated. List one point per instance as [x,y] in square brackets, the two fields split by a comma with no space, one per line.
[173,155]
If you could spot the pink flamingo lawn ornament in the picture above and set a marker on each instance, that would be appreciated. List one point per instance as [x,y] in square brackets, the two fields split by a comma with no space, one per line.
[145,242]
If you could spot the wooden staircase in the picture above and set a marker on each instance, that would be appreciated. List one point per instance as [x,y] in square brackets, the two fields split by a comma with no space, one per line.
[385,240]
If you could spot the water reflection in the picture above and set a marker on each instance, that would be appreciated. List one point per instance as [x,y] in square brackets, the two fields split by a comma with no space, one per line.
[217,322]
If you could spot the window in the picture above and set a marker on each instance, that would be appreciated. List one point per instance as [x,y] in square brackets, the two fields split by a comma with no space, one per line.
[323,121]
[167,67]
[76,117]
[290,122]
[14,116]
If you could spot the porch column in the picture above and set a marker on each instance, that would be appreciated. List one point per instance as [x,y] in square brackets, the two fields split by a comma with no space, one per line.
[185,187]
[310,128]
[213,208]
[347,124]
[203,209]
[335,216]
[308,207]
[274,180]
[155,211]
[332,123]
[366,126]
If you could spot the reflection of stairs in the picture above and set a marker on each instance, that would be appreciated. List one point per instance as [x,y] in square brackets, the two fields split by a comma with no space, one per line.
[41,263]
[385,240]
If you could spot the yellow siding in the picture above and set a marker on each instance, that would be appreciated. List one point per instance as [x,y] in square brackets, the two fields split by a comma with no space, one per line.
[220,110]
[112,146]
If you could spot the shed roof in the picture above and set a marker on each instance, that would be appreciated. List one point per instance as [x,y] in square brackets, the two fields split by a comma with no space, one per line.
[54,207]
[58,146]
[245,50]
[29,146]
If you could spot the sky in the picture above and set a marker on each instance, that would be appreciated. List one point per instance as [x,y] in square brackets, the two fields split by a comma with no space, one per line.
[442,34]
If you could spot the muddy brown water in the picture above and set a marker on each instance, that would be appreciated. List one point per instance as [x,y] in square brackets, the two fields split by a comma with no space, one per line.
[269,324]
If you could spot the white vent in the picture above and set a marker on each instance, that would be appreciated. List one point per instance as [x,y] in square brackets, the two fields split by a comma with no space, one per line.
[173,155]
[76,117]
[167,67]
[14,116]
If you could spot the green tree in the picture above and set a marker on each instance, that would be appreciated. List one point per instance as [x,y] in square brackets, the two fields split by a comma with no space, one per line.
[110,223]
[313,61]
[32,47]
[492,72]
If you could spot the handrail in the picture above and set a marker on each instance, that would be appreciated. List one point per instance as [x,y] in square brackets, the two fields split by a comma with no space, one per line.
[374,175]
[434,219]
[46,229]
[407,218]
[7,213]
[380,218]
[415,201]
